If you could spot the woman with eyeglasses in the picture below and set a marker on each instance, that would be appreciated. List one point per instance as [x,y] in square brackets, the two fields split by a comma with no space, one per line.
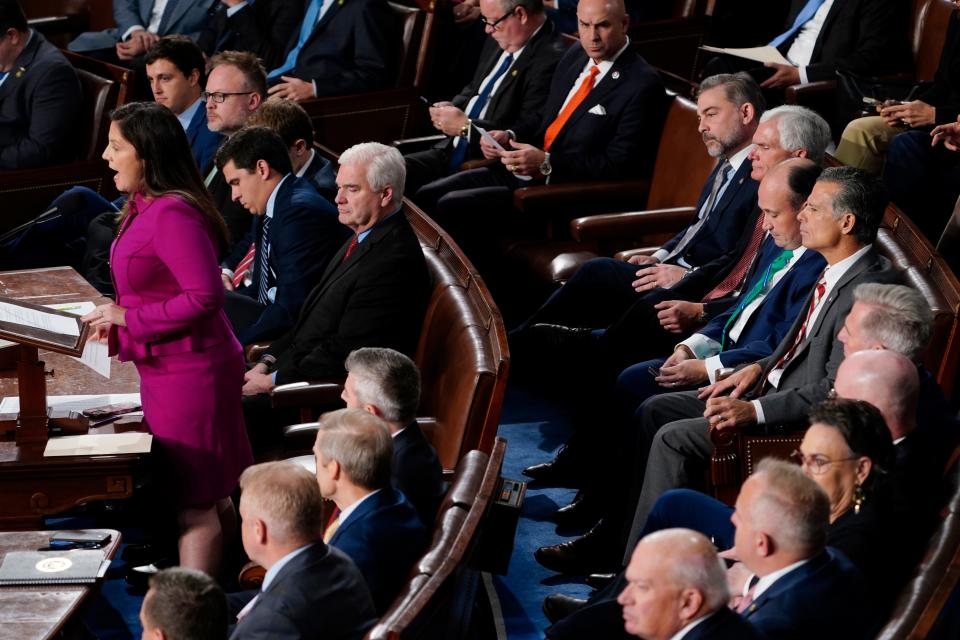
[168,319]
[849,452]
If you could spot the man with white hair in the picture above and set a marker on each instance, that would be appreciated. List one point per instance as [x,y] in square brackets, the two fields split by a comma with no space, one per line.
[310,590]
[374,292]
[677,587]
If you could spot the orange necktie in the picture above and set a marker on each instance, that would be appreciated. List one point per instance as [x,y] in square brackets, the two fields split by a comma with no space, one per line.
[554,129]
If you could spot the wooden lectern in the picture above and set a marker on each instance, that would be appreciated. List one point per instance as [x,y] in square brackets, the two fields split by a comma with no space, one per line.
[31,430]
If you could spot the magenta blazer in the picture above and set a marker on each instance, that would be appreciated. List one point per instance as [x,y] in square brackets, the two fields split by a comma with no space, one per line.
[166,276]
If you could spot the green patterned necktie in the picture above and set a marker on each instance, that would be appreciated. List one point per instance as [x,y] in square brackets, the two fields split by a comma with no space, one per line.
[778,263]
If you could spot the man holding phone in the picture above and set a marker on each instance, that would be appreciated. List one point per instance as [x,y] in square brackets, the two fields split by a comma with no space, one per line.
[510,84]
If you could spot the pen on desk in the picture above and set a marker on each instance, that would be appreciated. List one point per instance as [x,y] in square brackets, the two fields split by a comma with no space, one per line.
[72,307]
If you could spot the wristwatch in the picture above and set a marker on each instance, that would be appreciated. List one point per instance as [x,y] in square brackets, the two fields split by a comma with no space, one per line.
[465,129]
[545,168]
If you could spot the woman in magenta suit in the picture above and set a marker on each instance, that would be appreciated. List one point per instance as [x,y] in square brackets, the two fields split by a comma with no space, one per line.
[168,320]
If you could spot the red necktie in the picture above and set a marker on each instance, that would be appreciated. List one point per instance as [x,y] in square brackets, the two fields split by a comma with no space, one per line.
[814,301]
[244,266]
[350,247]
[747,599]
[554,129]
[729,284]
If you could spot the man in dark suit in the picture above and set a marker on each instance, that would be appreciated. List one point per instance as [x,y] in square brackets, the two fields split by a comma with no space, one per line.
[293,125]
[310,590]
[509,86]
[386,383]
[374,291]
[339,49]
[374,523]
[674,584]
[781,519]
[263,28]
[176,73]
[294,235]
[839,221]
[40,96]
[183,603]
[600,122]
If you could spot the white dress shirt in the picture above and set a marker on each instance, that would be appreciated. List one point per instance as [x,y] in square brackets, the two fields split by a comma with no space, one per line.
[801,51]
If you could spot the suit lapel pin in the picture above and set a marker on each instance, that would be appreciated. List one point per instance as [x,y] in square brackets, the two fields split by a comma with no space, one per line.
[615,75]
[20,72]
[741,180]
[514,73]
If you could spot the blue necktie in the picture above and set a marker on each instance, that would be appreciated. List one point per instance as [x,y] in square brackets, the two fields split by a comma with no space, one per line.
[808,11]
[306,28]
[778,263]
[264,251]
[460,151]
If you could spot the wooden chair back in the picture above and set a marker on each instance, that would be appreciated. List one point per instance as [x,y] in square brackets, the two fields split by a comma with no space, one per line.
[682,165]
[928,31]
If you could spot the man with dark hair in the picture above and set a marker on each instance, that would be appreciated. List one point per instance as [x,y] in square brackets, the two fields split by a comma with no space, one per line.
[293,125]
[176,73]
[374,523]
[294,234]
[310,591]
[840,222]
[183,604]
[509,87]
[340,48]
[40,96]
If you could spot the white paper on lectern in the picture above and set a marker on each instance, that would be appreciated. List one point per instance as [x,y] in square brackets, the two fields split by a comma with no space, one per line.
[99,444]
[38,319]
[11,404]
[762,54]
[95,355]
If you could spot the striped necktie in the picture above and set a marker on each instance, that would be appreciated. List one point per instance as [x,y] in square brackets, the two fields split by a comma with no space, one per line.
[818,293]
[733,279]
[264,263]
[718,181]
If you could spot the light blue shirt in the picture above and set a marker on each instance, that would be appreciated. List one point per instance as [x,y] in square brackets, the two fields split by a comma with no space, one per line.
[363,234]
[271,574]
[187,116]
[235,8]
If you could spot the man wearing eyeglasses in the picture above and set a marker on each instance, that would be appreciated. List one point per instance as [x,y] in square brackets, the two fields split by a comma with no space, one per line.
[509,87]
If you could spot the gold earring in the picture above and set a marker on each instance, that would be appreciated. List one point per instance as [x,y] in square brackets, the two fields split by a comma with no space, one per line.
[858,499]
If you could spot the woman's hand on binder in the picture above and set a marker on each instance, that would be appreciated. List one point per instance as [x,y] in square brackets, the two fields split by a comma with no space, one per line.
[104,317]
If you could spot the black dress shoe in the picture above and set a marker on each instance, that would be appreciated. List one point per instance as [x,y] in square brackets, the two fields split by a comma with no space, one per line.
[584,511]
[557,335]
[559,472]
[599,580]
[590,553]
[557,606]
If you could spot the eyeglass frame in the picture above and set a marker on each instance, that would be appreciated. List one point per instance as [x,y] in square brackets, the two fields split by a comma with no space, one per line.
[493,25]
[206,95]
[818,465]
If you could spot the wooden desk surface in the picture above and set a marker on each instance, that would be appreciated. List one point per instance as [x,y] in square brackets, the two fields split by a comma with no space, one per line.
[29,613]
[36,487]
[57,285]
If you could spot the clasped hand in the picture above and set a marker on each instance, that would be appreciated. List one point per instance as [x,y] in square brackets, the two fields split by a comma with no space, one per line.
[912,114]
[728,411]
[102,319]
[447,118]
[257,380]
[521,159]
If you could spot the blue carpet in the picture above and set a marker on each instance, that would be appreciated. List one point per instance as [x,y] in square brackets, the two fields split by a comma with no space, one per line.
[534,429]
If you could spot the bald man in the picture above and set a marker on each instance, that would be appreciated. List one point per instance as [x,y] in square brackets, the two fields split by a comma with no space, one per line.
[676,584]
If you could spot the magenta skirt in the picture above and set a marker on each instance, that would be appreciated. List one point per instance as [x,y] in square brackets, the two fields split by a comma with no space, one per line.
[192,402]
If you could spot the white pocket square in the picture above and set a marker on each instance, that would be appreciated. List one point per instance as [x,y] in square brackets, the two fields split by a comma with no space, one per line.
[598,110]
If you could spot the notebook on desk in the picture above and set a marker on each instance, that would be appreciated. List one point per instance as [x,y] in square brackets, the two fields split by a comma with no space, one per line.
[79,566]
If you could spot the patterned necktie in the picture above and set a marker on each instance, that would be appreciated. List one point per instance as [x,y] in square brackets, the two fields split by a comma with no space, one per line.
[244,265]
[332,525]
[808,11]
[818,292]
[733,279]
[760,287]
[747,599]
[718,180]
[310,19]
[350,247]
[554,129]
[264,262]
[463,145]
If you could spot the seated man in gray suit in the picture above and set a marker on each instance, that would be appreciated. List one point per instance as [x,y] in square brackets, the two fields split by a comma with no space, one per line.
[310,590]
[140,24]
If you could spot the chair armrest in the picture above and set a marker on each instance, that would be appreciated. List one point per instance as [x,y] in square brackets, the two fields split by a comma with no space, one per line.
[412,145]
[476,164]
[809,92]
[621,226]
[547,200]
[305,394]
[639,251]
[301,436]
[254,351]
